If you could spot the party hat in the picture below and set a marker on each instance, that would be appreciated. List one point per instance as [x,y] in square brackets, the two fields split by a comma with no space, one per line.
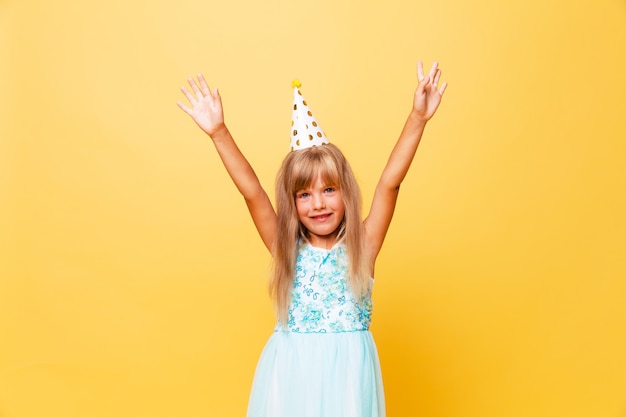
[305,130]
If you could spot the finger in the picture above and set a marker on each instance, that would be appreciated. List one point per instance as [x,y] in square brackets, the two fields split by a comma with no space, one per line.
[436,79]
[189,96]
[433,70]
[195,88]
[443,88]
[420,71]
[184,108]
[205,87]
[421,87]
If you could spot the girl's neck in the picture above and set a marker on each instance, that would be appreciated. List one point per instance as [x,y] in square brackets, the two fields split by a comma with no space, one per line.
[323,243]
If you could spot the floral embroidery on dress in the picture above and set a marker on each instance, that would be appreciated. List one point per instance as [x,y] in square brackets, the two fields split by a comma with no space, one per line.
[321,300]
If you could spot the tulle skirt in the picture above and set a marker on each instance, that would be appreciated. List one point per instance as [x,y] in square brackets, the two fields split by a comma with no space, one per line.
[318,375]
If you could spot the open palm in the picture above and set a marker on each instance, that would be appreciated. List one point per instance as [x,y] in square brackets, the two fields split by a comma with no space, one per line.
[206,105]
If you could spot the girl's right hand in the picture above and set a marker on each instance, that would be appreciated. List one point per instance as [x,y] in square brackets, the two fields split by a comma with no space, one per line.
[206,106]
[428,94]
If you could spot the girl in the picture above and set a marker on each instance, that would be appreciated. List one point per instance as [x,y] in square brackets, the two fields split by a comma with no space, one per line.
[321,360]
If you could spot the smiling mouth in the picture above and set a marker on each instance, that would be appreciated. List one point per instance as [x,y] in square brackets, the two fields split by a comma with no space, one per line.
[321,217]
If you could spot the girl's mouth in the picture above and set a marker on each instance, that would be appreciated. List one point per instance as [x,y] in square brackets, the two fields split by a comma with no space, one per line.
[321,217]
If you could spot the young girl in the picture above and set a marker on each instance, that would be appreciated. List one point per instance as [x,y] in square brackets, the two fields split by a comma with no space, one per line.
[321,360]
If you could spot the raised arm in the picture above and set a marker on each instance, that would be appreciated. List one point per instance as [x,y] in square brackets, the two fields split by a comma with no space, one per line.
[425,103]
[206,110]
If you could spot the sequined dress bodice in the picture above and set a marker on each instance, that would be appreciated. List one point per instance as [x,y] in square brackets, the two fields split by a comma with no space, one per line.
[321,300]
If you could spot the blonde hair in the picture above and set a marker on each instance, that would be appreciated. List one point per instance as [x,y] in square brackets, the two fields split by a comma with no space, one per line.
[299,170]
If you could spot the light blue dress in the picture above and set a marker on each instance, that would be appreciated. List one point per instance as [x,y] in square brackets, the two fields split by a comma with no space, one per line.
[323,362]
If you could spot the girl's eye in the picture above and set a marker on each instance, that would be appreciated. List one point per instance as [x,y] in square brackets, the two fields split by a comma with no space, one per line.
[329,190]
[302,195]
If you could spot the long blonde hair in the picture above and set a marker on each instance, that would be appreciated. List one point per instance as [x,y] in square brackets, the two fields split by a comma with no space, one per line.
[298,171]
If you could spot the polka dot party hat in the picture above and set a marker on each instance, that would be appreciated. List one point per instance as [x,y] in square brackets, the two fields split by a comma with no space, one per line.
[305,130]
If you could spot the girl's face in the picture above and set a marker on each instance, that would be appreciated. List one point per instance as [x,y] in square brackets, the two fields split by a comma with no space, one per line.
[320,209]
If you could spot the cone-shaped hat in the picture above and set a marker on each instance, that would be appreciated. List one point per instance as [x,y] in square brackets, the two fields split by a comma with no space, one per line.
[305,130]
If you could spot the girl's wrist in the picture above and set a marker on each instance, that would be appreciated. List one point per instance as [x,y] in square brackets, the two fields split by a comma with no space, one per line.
[417,117]
[218,132]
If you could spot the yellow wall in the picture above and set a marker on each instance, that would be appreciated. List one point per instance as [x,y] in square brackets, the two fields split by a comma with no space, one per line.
[133,283]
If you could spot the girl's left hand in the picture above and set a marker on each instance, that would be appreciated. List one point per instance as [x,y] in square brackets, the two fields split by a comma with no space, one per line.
[428,94]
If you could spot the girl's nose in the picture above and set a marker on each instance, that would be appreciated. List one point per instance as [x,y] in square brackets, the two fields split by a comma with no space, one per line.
[318,202]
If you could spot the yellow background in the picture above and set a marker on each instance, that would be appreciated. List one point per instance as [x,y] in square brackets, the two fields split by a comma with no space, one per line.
[133,283]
